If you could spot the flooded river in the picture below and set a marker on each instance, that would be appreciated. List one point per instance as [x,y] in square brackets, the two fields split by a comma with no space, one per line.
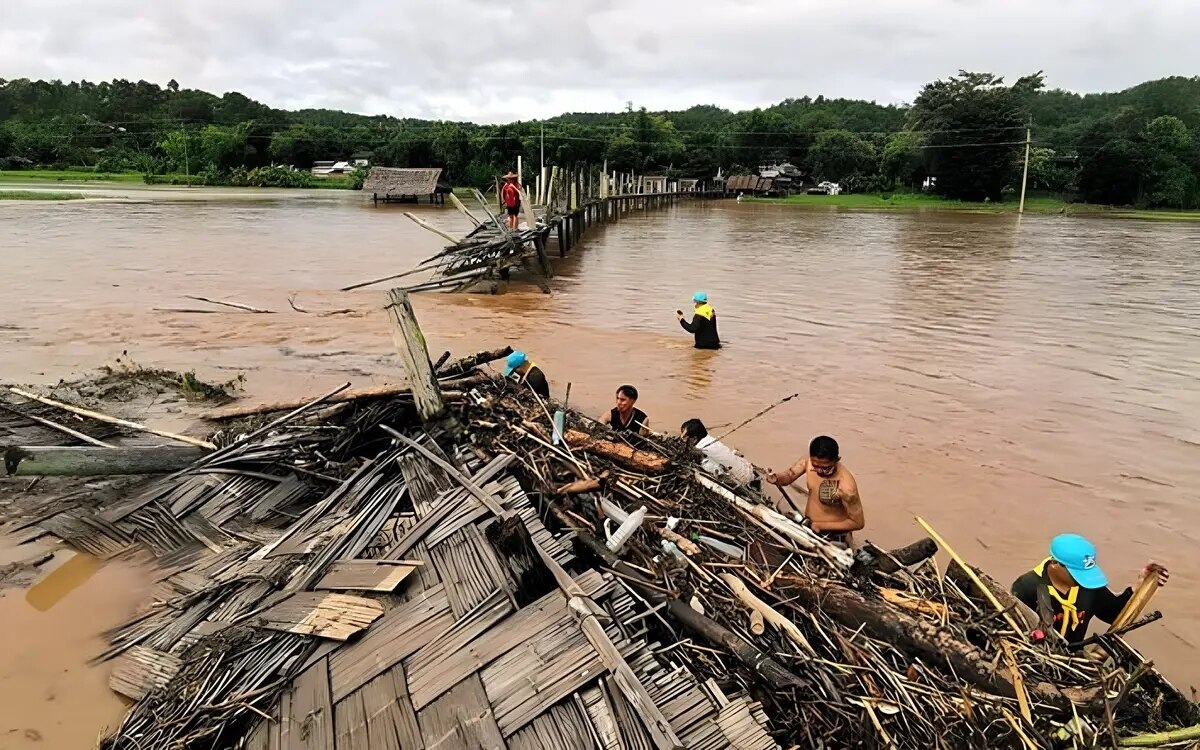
[1006,380]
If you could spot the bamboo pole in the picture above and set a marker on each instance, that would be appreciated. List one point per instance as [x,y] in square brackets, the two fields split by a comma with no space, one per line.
[112,420]
[61,428]
[967,571]
[235,305]
[1157,739]
[425,225]
[454,201]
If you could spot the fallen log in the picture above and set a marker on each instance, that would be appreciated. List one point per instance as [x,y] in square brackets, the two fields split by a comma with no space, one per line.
[89,461]
[471,361]
[916,637]
[1011,604]
[627,456]
[449,390]
[890,561]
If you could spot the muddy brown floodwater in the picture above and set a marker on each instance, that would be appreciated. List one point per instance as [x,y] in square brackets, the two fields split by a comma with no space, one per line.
[1007,380]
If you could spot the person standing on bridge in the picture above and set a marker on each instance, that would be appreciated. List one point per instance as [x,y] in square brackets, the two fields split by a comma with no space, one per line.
[510,197]
[704,322]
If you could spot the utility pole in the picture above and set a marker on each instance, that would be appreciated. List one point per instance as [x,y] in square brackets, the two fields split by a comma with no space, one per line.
[1025,174]
[187,167]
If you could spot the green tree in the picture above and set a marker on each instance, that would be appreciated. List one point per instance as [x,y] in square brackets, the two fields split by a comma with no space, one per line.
[974,125]
[182,149]
[903,161]
[223,148]
[839,154]
[1170,181]
[1048,171]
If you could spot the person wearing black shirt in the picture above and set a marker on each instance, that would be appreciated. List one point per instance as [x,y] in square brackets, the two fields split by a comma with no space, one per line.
[704,323]
[519,368]
[626,417]
[1068,589]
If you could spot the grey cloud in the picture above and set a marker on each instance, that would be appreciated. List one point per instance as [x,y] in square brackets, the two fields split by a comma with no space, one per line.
[490,61]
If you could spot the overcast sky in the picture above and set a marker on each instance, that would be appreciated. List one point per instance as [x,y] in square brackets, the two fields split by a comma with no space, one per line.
[500,60]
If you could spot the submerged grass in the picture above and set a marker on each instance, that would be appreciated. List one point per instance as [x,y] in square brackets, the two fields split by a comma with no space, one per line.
[38,195]
[922,201]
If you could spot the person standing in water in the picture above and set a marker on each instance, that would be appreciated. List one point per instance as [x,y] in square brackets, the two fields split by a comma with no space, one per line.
[518,367]
[1068,589]
[510,197]
[625,417]
[834,508]
[704,322]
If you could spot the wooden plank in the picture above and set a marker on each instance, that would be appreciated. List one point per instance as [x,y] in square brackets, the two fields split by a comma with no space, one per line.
[366,575]
[397,636]
[258,738]
[112,420]
[142,670]
[462,718]
[414,356]
[89,461]
[310,715]
[434,669]
[334,616]
[408,729]
[528,680]
[351,724]
[379,703]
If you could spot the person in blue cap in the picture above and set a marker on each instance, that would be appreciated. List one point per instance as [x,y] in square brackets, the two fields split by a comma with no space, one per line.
[518,368]
[1068,588]
[704,323]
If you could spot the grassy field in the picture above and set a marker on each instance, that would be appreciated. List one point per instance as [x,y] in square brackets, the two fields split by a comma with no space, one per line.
[921,201]
[67,175]
[37,195]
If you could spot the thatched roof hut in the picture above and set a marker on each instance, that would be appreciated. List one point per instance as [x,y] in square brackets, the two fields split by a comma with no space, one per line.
[386,183]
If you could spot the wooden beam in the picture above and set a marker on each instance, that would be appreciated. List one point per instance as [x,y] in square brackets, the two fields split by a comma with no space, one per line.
[425,225]
[89,461]
[414,356]
[112,420]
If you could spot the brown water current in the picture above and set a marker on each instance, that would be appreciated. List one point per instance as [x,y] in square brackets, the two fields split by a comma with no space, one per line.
[1005,379]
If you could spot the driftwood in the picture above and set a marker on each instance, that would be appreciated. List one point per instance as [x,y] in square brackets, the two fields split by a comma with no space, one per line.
[234,305]
[1010,603]
[451,391]
[890,561]
[629,457]
[771,671]
[1158,739]
[470,362]
[768,613]
[86,461]
[61,428]
[112,420]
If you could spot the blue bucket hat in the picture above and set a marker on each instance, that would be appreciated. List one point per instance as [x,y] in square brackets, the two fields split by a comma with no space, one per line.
[1078,556]
[699,298]
[515,360]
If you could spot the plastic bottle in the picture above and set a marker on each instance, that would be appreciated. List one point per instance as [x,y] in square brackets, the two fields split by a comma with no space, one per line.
[627,529]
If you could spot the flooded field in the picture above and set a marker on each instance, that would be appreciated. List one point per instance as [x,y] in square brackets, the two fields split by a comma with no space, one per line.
[1007,380]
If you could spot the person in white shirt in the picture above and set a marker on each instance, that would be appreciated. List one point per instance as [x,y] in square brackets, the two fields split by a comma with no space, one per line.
[719,459]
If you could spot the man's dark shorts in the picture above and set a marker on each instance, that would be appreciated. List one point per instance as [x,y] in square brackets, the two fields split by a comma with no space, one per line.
[514,210]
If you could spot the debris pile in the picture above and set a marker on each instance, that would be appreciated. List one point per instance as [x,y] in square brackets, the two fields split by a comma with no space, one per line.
[383,572]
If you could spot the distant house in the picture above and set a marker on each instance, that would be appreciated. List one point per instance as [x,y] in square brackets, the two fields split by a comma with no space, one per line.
[329,168]
[362,158]
[654,184]
[749,184]
[689,186]
[406,185]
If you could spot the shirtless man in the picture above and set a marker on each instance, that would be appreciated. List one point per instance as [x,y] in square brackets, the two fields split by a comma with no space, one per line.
[834,509]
